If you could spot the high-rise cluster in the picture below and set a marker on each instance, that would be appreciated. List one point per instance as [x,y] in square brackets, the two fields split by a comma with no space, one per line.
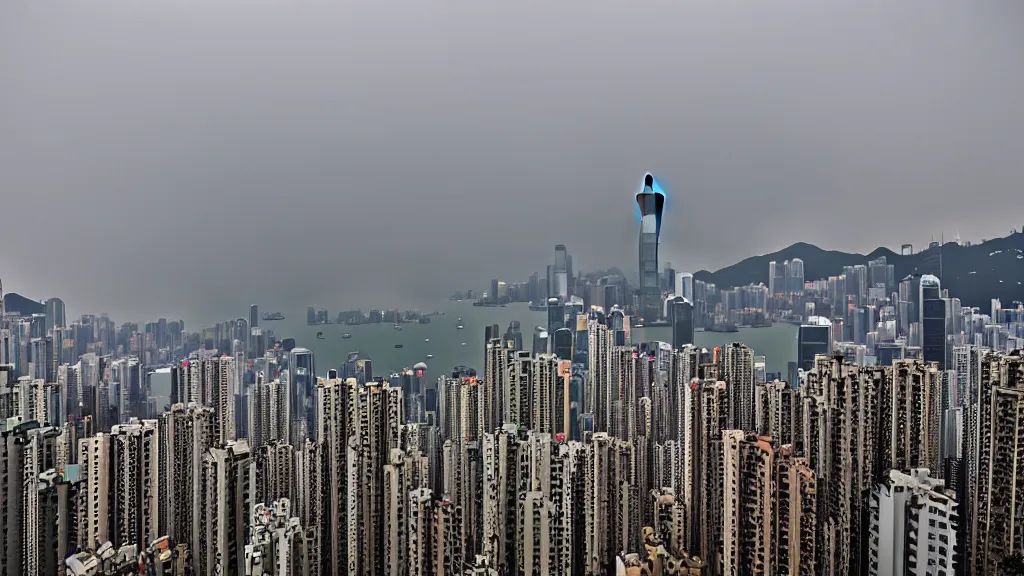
[644,460]
[893,447]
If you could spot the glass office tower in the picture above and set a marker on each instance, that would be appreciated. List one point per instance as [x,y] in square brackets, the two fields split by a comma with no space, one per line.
[651,200]
[933,321]
[814,338]
[302,394]
[680,312]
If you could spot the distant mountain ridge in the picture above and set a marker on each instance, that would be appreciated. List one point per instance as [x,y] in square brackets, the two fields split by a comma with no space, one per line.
[975,274]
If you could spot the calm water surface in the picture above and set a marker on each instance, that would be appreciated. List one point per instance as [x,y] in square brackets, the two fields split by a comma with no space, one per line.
[451,346]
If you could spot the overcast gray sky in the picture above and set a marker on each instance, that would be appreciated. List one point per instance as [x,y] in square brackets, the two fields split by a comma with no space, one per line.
[186,157]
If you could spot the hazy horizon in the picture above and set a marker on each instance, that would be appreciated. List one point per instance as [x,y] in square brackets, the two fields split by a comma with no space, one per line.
[183,158]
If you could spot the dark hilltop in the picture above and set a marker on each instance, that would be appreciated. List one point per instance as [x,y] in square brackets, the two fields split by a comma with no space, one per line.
[974,273]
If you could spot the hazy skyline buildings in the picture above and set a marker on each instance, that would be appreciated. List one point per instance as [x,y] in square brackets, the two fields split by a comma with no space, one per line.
[616,449]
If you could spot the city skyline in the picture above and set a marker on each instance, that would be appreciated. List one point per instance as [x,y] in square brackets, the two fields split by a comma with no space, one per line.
[601,453]
[423,302]
[794,114]
[892,420]
[353,289]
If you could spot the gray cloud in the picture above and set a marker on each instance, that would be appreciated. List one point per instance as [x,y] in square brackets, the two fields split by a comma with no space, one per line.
[187,157]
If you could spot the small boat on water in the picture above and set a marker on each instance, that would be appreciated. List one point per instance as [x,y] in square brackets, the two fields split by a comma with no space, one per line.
[398,345]
[346,335]
[397,327]
[429,356]
[426,339]
[463,343]
[459,327]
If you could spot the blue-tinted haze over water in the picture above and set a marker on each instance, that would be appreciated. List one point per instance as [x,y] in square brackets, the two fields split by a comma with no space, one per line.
[451,346]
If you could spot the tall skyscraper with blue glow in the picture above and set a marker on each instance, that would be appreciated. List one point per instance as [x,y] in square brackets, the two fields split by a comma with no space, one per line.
[651,200]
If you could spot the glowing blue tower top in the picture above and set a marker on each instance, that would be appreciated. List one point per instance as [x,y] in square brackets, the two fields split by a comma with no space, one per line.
[651,200]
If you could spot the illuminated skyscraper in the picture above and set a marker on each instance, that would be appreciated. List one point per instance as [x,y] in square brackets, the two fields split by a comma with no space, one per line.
[651,200]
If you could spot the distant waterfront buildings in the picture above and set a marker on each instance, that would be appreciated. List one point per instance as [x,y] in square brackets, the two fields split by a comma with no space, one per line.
[787,278]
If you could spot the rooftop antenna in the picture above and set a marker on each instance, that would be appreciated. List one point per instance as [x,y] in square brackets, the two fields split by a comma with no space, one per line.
[942,241]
